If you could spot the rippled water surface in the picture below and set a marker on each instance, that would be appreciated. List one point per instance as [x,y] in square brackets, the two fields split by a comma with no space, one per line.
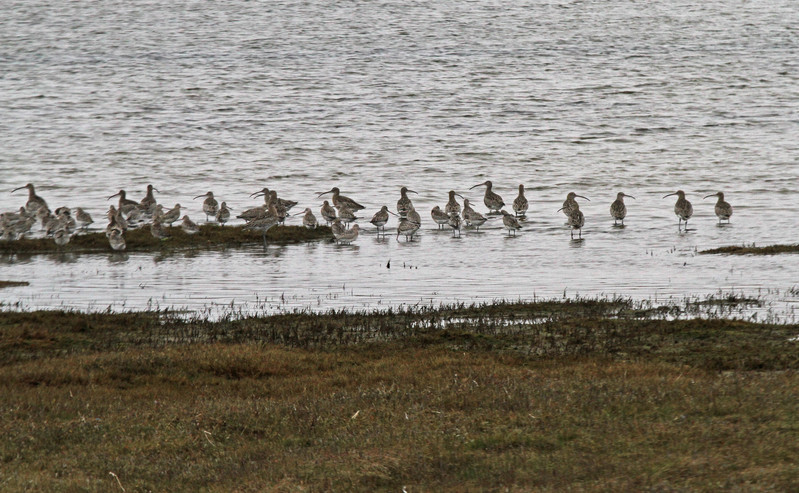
[594,97]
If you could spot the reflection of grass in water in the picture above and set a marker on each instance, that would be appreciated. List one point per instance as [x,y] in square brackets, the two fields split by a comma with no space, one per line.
[753,250]
[584,394]
[210,237]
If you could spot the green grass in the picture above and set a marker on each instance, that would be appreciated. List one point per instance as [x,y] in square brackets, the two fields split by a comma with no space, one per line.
[210,236]
[753,250]
[583,395]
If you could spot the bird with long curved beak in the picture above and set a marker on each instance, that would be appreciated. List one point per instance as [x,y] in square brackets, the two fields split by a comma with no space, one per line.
[340,200]
[281,204]
[618,210]
[453,207]
[682,208]
[272,201]
[35,203]
[570,203]
[210,205]
[125,204]
[404,204]
[723,208]
[492,200]
[264,191]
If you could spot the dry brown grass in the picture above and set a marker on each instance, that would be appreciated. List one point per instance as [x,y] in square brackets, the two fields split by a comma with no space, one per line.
[688,406]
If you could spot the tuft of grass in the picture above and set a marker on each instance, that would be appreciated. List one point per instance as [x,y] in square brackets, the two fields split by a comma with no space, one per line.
[210,237]
[514,396]
[752,250]
[12,284]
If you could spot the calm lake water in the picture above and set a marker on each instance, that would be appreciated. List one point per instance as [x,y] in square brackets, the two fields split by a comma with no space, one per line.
[589,96]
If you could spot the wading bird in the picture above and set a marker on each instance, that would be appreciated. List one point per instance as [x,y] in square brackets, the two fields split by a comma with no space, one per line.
[723,208]
[683,208]
[617,209]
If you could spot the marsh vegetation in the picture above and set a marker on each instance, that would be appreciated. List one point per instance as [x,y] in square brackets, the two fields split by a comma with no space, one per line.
[753,250]
[210,237]
[588,394]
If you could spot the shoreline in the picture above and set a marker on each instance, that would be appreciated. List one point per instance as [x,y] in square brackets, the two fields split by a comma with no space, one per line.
[210,237]
[752,250]
[523,396]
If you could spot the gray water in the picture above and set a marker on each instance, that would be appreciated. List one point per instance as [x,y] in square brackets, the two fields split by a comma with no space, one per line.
[594,97]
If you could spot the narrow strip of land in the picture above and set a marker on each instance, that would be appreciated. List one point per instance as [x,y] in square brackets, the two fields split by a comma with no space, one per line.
[209,237]
[752,250]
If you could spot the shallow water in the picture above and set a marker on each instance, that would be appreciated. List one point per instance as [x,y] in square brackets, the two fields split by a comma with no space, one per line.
[587,96]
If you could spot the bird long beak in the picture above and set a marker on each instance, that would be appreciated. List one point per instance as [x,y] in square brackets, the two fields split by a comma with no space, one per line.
[478,185]
[323,193]
[629,196]
[20,188]
[459,195]
[586,198]
[109,198]
[711,195]
[197,197]
[392,213]
[559,209]
[669,195]
[259,192]
[413,192]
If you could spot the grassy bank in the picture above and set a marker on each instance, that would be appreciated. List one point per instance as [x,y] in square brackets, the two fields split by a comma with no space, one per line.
[587,395]
[13,284]
[753,250]
[210,236]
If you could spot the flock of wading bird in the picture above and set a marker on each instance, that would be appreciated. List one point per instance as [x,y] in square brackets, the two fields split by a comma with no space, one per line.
[61,225]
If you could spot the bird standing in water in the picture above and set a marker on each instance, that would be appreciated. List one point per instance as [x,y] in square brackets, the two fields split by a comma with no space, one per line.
[520,203]
[404,204]
[683,208]
[492,200]
[723,208]
[618,210]
[511,222]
